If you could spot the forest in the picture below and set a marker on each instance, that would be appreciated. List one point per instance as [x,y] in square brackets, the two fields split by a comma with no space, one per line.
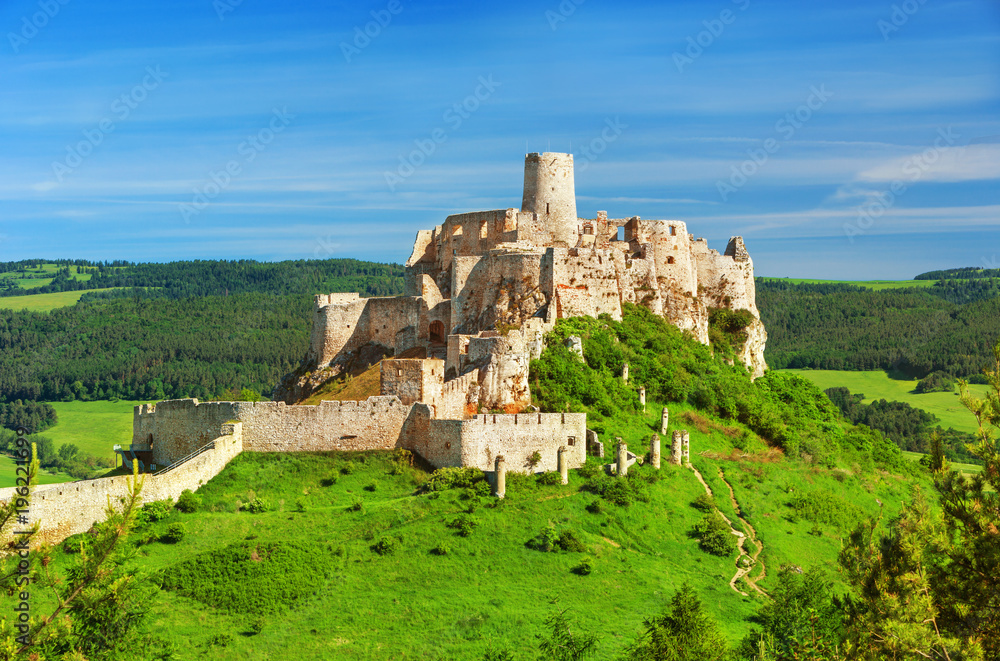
[914,331]
[218,277]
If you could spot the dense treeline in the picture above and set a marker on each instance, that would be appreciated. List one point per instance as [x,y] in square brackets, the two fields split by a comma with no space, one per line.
[910,428]
[842,327]
[33,416]
[220,277]
[966,272]
[152,349]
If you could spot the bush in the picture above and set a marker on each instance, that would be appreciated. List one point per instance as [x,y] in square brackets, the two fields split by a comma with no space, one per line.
[256,506]
[704,502]
[825,507]
[300,504]
[221,640]
[615,490]
[595,507]
[155,511]
[386,545]
[715,535]
[568,541]
[347,468]
[464,525]
[585,567]
[328,481]
[372,486]
[175,533]
[357,506]
[188,501]
[441,549]
[546,540]
[455,478]
[550,478]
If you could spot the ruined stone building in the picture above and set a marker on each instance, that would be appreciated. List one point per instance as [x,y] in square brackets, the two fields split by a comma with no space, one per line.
[522,269]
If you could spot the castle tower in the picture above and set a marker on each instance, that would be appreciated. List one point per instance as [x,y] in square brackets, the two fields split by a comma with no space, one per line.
[549,191]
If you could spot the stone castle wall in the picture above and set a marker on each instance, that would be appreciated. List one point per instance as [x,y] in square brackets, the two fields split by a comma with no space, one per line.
[73,507]
[181,426]
[345,322]
[516,438]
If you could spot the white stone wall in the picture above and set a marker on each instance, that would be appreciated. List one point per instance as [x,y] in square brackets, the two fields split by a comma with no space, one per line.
[516,438]
[73,507]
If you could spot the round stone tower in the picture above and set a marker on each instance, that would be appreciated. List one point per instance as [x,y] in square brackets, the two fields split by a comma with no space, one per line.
[549,191]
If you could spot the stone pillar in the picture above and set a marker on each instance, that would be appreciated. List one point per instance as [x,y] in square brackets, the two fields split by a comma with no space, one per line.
[664,419]
[654,451]
[642,398]
[686,447]
[675,448]
[563,463]
[501,478]
[622,449]
[625,372]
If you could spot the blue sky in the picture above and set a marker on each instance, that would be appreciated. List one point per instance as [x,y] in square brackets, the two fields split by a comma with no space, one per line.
[847,140]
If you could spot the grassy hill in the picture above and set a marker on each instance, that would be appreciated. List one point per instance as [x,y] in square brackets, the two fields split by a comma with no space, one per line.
[879,385]
[357,556]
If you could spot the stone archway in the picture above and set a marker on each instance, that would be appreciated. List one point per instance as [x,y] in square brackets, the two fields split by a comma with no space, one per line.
[437,332]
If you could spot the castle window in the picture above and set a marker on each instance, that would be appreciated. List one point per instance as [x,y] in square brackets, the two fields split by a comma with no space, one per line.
[399,372]
[588,229]
[621,233]
[546,207]
[670,260]
[571,441]
[482,230]
[673,231]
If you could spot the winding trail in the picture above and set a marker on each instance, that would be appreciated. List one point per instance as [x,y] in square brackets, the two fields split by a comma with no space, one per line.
[741,539]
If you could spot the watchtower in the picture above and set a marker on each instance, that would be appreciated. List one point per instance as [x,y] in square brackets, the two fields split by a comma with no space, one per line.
[550,192]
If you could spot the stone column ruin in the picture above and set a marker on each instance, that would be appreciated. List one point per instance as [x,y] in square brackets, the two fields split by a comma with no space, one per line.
[675,448]
[654,451]
[664,419]
[622,457]
[625,372]
[642,398]
[594,445]
[686,447]
[501,478]
[563,463]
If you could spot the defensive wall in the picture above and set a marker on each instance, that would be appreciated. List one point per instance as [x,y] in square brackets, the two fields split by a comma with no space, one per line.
[73,507]
[178,427]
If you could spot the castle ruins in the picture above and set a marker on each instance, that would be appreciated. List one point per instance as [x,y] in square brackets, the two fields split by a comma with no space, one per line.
[481,291]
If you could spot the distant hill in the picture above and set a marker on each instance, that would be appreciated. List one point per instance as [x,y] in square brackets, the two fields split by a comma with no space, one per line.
[949,326]
[961,273]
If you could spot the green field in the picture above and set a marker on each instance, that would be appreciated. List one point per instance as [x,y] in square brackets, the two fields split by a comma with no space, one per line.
[94,427]
[8,474]
[44,302]
[490,587]
[877,385]
[871,284]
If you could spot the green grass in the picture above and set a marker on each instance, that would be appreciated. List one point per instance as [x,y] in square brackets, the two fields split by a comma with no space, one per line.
[44,302]
[878,385]
[489,587]
[8,474]
[876,285]
[94,427]
[961,468]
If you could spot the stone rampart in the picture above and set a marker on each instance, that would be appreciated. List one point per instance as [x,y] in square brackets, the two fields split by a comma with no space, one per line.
[516,437]
[73,507]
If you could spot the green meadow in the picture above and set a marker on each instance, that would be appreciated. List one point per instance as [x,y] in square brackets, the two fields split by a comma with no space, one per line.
[878,385]
[8,474]
[44,302]
[94,427]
